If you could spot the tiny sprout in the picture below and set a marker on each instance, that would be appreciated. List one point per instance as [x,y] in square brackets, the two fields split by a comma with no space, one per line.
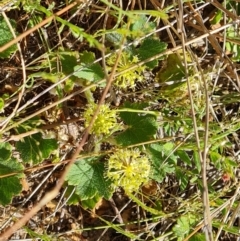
[129,77]
[128,169]
[106,120]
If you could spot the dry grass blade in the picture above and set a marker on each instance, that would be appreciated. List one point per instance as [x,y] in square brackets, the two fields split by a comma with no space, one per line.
[5,4]
[52,194]
[202,154]
[119,120]
[6,121]
[44,22]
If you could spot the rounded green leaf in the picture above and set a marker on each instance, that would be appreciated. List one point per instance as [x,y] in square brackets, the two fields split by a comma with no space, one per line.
[5,37]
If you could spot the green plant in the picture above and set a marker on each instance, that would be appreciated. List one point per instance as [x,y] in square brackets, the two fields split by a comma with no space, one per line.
[129,78]
[6,36]
[106,120]
[232,35]
[128,169]
[148,148]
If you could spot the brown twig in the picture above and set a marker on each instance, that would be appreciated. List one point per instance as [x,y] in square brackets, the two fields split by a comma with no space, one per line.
[212,39]
[44,22]
[54,192]
[7,120]
[202,155]
[39,129]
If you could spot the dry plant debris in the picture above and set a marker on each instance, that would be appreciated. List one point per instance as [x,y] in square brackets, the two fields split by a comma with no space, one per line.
[119,120]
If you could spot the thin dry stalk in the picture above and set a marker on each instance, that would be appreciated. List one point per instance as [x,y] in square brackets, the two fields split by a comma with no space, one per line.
[35,191]
[53,193]
[41,24]
[227,215]
[216,212]
[202,155]
[212,39]
[7,120]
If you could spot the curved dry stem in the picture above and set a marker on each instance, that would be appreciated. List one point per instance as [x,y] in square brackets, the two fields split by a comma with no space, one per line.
[53,193]
[7,120]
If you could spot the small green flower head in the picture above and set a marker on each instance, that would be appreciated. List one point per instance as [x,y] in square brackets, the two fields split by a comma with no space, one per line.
[127,79]
[128,169]
[105,122]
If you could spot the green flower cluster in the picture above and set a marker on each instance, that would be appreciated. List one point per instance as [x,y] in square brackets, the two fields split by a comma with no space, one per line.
[128,169]
[105,122]
[129,77]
